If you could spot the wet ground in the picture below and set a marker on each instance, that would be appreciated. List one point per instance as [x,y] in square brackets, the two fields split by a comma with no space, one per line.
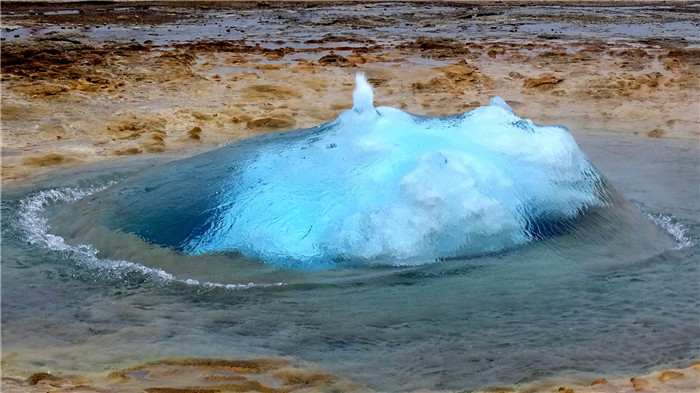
[83,83]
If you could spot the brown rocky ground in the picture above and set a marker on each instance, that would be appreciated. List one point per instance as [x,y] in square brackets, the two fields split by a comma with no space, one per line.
[68,99]
[197,375]
[194,375]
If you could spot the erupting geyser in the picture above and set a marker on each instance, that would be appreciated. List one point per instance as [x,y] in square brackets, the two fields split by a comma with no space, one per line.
[375,186]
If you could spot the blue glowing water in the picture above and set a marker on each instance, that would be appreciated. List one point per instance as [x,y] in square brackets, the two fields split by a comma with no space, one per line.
[377,186]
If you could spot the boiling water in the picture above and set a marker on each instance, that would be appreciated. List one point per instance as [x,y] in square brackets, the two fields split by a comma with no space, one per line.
[89,285]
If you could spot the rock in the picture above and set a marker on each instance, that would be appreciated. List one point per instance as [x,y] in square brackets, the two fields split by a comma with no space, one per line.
[201,116]
[257,92]
[272,121]
[217,375]
[689,56]
[640,384]
[495,50]
[455,79]
[437,48]
[333,59]
[269,67]
[241,119]
[44,54]
[127,152]
[50,159]
[194,133]
[177,58]
[543,83]
[54,42]
[95,84]
[41,90]
[557,55]
[436,84]
[670,63]
[130,126]
[37,377]
[599,382]
[345,38]
[656,133]
[155,143]
[668,375]
[466,76]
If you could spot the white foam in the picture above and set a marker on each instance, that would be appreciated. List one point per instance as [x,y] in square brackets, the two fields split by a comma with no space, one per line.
[380,186]
[36,230]
[673,227]
[362,96]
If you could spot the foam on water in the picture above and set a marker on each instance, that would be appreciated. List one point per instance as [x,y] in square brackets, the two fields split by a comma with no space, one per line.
[381,186]
[673,227]
[35,227]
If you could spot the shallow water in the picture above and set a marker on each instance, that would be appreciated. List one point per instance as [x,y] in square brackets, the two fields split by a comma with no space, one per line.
[384,22]
[614,296]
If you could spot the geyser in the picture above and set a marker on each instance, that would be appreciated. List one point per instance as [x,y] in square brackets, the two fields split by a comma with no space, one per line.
[377,186]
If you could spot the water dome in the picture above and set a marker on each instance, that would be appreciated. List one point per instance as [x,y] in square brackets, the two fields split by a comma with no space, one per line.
[376,186]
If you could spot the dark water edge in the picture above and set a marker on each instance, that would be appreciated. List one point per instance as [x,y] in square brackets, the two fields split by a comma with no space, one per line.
[507,318]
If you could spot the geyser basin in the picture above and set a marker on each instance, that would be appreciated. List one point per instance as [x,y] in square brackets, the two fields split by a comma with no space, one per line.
[377,186]
[604,293]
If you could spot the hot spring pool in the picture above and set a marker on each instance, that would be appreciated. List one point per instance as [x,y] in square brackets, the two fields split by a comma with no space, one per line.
[97,272]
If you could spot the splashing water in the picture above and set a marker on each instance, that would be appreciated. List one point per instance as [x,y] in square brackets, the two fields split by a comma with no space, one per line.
[363,96]
[36,231]
[379,186]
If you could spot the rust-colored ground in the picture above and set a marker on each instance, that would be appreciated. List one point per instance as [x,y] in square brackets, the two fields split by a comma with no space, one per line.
[201,375]
[68,99]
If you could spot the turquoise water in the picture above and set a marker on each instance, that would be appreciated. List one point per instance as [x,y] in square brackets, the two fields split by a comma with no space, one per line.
[618,293]
[376,187]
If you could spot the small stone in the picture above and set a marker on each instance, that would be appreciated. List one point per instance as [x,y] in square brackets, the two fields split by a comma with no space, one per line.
[668,375]
[194,133]
[599,382]
[273,121]
[37,377]
[543,83]
[333,59]
[640,384]
[656,133]
[201,116]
